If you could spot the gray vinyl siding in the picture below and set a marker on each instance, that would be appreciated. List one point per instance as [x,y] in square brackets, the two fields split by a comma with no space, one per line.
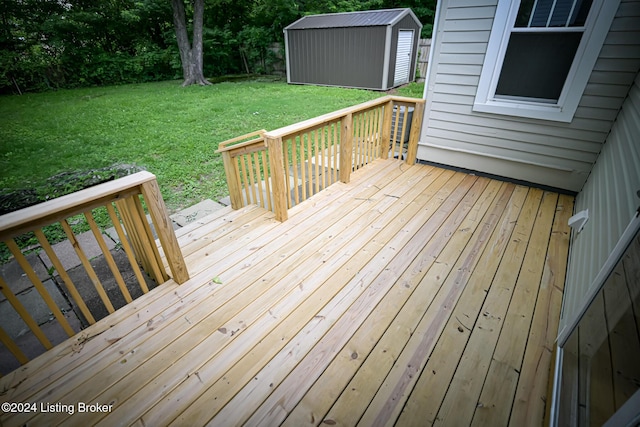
[610,196]
[352,57]
[544,152]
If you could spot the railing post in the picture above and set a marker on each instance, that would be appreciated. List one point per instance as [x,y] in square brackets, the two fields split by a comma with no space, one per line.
[160,217]
[414,136]
[233,182]
[346,148]
[276,162]
[386,130]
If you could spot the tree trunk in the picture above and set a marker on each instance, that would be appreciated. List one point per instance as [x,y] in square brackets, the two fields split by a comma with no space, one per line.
[190,53]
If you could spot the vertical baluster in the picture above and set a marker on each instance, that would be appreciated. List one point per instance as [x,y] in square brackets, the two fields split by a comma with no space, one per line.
[245,180]
[405,122]
[233,180]
[107,256]
[346,148]
[370,135]
[385,138]
[64,276]
[267,178]
[309,164]
[33,277]
[379,131]
[287,169]
[127,248]
[259,180]
[87,266]
[294,166]
[12,347]
[164,229]
[134,235]
[336,147]
[395,131]
[325,155]
[151,193]
[317,157]
[277,169]
[24,314]
[252,182]
[357,142]
[303,173]
[414,136]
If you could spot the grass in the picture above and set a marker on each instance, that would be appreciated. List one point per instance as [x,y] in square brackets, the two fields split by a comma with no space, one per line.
[162,127]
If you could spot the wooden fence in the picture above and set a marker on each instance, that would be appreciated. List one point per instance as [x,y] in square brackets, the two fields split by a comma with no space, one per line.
[424,48]
[281,168]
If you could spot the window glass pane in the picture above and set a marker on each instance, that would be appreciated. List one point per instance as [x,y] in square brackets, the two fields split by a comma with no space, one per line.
[524,13]
[536,64]
[541,14]
[560,13]
[580,13]
[550,13]
[600,369]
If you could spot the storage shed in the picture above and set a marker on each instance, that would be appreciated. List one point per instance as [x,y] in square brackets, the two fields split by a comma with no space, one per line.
[374,49]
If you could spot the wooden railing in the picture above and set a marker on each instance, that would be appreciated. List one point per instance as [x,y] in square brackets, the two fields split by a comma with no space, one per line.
[124,207]
[281,168]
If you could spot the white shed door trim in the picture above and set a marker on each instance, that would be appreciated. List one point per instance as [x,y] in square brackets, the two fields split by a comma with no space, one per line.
[403,57]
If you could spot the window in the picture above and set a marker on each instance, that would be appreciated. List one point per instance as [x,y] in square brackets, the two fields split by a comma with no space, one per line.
[540,56]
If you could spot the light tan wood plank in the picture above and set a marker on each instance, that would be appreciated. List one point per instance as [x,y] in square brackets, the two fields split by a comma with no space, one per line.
[310,309]
[461,398]
[205,308]
[426,397]
[375,282]
[446,280]
[222,387]
[324,392]
[506,364]
[531,400]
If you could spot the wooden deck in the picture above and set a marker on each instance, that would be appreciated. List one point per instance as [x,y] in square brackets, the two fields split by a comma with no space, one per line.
[411,296]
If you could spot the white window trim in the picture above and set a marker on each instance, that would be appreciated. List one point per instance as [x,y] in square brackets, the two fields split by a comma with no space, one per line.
[596,30]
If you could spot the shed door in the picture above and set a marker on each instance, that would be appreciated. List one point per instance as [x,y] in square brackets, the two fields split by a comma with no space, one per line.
[403,57]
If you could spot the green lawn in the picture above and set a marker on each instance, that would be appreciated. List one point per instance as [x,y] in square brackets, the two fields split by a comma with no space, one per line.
[169,130]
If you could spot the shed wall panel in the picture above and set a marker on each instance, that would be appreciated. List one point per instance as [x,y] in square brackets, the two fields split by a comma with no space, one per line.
[610,196]
[352,57]
[459,48]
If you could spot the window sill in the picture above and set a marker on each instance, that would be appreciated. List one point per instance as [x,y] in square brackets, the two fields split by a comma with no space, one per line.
[525,109]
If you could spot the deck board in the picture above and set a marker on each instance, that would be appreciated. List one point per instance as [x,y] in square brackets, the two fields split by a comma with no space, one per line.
[405,297]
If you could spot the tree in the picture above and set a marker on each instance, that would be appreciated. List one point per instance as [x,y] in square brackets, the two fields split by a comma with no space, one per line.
[190,52]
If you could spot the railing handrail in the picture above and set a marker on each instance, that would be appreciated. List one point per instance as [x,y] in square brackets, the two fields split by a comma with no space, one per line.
[335,115]
[251,179]
[230,144]
[18,222]
[309,123]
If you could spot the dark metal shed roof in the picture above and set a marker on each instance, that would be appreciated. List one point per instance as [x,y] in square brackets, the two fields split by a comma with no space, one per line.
[369,18]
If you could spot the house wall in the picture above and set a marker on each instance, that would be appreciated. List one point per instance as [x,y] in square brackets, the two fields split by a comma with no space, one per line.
[544,152]
[610,195]
[351,57]
[406,23]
